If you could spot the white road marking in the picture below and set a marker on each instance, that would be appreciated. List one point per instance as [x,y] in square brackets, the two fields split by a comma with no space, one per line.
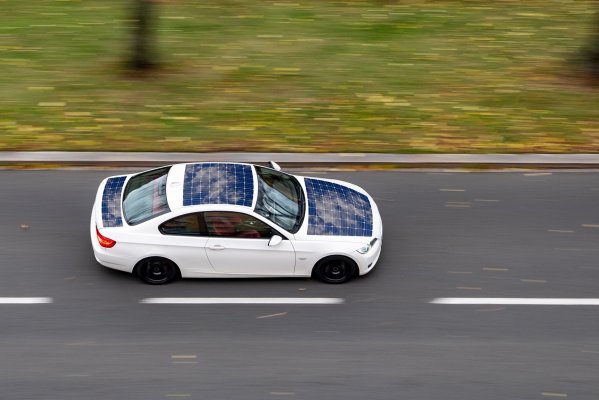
[242,300]
[590,225]
[533,280]
[495,269]
[487,200]
[452,190]
[524,301]
[462,204]
[272,315]
[559,231]
[552,394]
[25,300]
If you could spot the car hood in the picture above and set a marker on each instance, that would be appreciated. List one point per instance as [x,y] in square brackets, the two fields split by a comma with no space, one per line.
[336,208]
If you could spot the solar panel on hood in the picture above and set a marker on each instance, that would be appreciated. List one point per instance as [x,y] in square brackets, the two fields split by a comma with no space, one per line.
[337,210]
[111,202]
[218,183]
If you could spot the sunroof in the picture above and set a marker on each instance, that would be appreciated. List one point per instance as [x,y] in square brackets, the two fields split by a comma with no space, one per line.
[218,183]
[337,210]
[111,202]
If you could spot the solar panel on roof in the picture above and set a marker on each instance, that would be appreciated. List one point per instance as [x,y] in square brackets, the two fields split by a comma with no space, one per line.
[218,183]
[337,210]
[111,202]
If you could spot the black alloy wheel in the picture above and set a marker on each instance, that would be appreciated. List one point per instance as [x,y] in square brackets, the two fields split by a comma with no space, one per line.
[335,270]
[157,271]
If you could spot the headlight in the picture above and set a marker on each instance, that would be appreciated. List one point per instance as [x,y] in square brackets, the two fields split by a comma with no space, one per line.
[366,247]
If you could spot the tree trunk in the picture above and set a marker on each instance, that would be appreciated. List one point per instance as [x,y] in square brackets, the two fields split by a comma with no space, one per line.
[593,53]
[142,57]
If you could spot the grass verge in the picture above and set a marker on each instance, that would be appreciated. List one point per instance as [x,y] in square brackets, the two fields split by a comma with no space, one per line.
[318,76]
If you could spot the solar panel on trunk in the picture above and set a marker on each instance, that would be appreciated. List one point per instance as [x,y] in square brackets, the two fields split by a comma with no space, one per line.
[111,202]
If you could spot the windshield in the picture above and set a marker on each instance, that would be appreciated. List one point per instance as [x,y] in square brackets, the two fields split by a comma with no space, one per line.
[280,199]
[145,196]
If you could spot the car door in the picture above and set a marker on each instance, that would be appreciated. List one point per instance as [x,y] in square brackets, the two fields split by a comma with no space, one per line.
[185,238]
[238,244]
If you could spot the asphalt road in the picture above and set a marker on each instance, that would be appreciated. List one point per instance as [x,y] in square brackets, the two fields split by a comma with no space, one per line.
[446,235]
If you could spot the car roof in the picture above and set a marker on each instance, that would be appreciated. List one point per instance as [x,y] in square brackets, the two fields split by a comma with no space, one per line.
[211,183]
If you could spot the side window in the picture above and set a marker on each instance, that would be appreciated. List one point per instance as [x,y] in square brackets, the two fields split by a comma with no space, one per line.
[189,224]
[236,225]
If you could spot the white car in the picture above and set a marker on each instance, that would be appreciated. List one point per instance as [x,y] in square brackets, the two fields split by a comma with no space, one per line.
[202,220]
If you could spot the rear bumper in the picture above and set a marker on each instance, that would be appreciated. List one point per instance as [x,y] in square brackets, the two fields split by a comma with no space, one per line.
[107,257]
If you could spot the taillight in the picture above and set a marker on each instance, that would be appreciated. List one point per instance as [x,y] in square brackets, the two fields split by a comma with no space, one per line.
[103,240]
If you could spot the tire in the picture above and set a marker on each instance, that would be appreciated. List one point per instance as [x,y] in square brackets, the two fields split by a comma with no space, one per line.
[156,270]
[335,269]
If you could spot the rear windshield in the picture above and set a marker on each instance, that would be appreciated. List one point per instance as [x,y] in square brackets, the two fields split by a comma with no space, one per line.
[145,196]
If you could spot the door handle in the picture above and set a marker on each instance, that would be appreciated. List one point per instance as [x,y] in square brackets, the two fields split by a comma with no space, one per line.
[216,247]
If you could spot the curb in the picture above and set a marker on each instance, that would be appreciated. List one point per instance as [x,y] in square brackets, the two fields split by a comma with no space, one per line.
[307,159]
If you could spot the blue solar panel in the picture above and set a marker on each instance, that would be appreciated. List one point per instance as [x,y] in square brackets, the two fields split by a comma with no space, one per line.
[337,210]
[111,202]
[218,183]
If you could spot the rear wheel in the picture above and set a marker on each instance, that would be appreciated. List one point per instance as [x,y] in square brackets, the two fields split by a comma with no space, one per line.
[335,269]
[157,271]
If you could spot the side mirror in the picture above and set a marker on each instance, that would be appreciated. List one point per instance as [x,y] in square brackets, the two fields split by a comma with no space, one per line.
[275,240]
[274,165]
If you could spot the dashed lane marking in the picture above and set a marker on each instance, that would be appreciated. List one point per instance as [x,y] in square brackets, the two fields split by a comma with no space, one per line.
[25,300]
[495,269]
[242,300]
[559,231]
[452,190]
[516,301]
[538,174]
[462,204]
[272,315]
[590,225]
[552,394]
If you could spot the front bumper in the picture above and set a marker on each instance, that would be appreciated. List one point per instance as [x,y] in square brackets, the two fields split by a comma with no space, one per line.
[369,260]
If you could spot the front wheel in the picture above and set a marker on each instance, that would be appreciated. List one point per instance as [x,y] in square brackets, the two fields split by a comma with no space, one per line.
[157,271]
[335,270]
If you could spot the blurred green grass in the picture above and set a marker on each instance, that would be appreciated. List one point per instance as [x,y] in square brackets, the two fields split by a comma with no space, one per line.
[305,75]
